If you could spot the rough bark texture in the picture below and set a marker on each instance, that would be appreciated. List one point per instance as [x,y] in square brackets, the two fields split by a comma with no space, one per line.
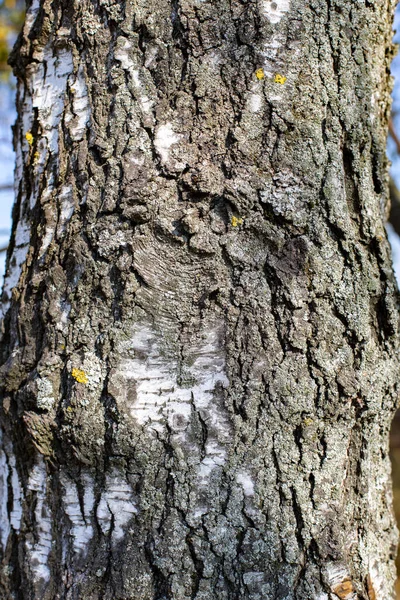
[200,346]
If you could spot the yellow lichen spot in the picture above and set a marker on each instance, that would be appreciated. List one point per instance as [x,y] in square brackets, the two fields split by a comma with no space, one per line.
[236,221]
[308,421]
[280,79]
[260,74]
[69,409]
[36,157]
[29,138]
[79,375]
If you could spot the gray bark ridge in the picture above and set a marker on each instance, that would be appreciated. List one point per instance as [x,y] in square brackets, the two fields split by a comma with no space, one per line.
[199,341]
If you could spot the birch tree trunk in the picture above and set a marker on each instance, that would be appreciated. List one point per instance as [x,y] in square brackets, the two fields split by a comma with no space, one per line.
[200,322]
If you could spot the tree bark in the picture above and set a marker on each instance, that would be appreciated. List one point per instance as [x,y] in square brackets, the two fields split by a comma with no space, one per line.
[200,321]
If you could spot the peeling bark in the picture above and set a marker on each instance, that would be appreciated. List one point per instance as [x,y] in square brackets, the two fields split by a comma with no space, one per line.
[200,321]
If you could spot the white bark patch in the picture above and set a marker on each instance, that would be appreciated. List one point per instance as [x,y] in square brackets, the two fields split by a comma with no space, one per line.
[165,138]
[15,265]
[39,546]
[81,526]
[145,102]
[274,10]
[88,495]
[255,103]
[7,464]
[48,92]
[215,457]
[47,239]
[4,520]
[67,207]
[17,259]
[246,483]
[336,573]
[27,113]
[22,233]
[30,16]
[122,54]
[158,390]
[80,117]
[271,61]
[378,582]
[158,394]
[117,504]
[15,268]
[16,512]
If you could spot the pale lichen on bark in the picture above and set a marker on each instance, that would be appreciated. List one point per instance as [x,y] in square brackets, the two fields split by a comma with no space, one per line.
[200,349]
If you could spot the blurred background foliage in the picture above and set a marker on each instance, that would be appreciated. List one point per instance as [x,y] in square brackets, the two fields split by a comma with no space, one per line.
[11,19]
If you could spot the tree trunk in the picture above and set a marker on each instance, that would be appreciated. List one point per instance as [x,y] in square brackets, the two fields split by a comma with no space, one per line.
[200,326]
